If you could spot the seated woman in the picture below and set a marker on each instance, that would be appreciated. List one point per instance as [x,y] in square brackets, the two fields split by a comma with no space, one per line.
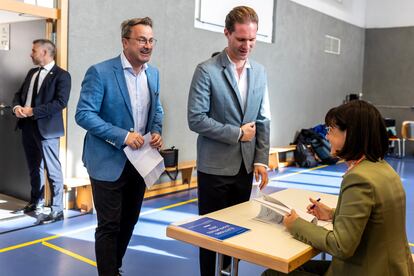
[368,236]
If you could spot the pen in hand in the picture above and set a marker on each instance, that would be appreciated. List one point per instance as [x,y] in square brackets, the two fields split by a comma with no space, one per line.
[314,205]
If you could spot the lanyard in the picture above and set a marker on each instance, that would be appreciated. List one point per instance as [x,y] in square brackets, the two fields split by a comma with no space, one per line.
[354,164]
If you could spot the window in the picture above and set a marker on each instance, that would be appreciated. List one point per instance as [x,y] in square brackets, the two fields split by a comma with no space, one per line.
[210,15]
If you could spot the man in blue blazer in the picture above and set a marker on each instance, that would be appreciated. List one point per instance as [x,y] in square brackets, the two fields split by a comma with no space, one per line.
[119,103]
[38,104]
[228,107]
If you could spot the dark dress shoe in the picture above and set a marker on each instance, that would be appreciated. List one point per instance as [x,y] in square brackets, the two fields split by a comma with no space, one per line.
[49,218]
[30,207]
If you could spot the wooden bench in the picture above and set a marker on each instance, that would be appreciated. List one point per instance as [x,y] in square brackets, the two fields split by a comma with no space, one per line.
[186,169]
[278,156]
[186,182]
[83,191]
[82,196]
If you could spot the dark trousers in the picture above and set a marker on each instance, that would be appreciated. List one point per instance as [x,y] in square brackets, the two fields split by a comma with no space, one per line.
[42,154]
[216,192]
[118,205]
[311,268]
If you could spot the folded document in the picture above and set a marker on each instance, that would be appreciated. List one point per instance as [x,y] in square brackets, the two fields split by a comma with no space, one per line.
[273,210]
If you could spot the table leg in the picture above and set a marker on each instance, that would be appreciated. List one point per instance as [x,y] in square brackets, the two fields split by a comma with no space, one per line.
[219,263]
[399,148]
[234,267]
[403,147]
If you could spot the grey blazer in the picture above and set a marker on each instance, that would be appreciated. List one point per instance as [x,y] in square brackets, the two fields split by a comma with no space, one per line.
[216,114]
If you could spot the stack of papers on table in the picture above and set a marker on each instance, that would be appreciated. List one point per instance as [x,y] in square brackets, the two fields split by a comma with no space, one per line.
[273,210]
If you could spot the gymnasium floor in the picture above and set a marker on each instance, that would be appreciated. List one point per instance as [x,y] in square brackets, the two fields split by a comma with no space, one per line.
[67,247]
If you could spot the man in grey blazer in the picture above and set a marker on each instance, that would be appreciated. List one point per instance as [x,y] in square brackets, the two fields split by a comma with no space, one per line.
[119,103]
[228,107]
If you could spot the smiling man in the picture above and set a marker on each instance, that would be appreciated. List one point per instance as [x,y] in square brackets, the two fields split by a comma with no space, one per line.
[228,106]
[119,103]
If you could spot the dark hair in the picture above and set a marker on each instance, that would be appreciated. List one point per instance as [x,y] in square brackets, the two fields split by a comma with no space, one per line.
[366,134]
[48,45]
[129,23]
[240,14]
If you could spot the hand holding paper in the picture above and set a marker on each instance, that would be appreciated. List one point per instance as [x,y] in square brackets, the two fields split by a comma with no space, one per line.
[290,218]
[274,210]
[146,160]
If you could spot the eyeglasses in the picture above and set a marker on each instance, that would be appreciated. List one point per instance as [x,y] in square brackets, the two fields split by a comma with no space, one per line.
[143,41]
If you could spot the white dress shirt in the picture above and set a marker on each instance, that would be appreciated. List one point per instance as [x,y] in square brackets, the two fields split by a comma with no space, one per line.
[139,95]
[242,85]
[43,73]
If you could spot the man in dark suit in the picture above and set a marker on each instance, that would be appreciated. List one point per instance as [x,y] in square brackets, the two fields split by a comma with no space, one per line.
[119,103]
[38,104]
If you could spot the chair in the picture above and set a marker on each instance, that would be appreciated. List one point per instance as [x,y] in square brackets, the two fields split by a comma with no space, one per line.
[407,133]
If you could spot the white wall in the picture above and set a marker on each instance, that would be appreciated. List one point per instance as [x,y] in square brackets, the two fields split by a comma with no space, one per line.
[386,13]
[351,11]
[366,13]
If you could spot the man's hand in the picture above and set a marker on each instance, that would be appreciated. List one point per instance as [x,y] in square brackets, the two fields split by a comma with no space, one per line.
[18,111]
[156,140]
[262,172]
[28,111]
[134,140]
[249,131]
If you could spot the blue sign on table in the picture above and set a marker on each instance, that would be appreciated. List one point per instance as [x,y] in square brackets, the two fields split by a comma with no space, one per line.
[214,228]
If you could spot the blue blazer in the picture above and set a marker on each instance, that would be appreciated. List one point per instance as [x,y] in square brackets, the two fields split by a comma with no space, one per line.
[52,98]
[215,112]
[104,110]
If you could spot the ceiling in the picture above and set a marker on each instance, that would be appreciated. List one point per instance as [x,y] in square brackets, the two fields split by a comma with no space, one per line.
[11,17]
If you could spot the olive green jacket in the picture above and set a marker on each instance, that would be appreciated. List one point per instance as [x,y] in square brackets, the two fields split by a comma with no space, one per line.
[368,236]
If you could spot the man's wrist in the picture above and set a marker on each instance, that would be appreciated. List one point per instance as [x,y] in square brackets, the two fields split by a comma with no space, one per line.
[241,134]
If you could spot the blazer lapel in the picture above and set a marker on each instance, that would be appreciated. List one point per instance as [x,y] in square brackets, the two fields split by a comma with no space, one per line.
[153,91]
[120,78]
[151,82]
[48,78]
[232,81]
[23,97]
[250,99]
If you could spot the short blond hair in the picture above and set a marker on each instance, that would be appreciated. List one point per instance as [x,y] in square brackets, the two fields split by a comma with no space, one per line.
[241,14]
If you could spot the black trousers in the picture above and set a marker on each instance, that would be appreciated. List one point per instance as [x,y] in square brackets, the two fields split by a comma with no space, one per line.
[118,205]
[311,268]
[216,192]
[42,154]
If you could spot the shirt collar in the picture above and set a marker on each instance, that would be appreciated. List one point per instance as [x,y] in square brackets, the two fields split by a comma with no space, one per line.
[49,66]
[246,65]
[127,65]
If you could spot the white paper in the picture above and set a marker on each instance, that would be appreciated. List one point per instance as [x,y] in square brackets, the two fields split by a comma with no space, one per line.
[275,205]
[147,161]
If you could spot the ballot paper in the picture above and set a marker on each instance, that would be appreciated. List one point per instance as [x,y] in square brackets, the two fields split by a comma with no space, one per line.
[273,210]
[147,161]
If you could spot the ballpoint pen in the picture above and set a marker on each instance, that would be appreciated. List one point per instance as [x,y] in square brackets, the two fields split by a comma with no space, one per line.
[314,205]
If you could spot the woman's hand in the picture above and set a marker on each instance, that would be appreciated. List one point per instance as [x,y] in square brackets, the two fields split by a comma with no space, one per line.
[319,210]
[290,218]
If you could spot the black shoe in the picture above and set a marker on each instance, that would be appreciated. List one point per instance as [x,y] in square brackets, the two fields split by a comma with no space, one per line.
[30,207]
[52,217]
